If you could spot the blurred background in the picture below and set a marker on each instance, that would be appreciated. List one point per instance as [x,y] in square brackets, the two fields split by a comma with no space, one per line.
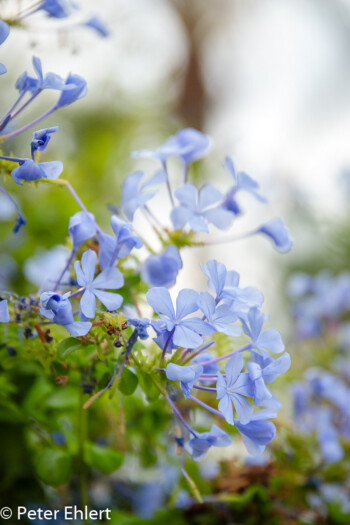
[269,80]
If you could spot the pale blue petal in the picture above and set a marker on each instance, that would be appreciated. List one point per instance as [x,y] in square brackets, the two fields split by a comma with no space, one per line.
[187,195]
[4,311]
[276,367]
[160,300]
[225,407]
[208,195]
[88,265]
[270,340]
[110,279]
[197,325]
[51,169]
[186,338]
[78,328]
[186,303]
[81,279]
[88,304]
[277,231]
[4,31]
[233,368]
[112,301]
[198,224]
[243,408]
[221,387]
[256,435]
[256,321]
[180,216]
[207,304]
[216,273]
[180,373]
[221,218]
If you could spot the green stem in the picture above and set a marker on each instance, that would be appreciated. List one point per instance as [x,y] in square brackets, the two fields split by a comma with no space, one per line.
[82,435]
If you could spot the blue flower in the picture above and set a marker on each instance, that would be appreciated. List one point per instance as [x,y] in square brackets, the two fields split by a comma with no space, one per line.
[120,246]
[135,194]
[111,279]
[216,273]
[187,375]
[58,308]
[276,230]
[57,8]
[225,284]
[178,328]
[4,33]
[141,326]
[264,369]
[95,23]
[232,388]
[41,138]
[327,436]
[267,340]
[4,312]
[242,181]
[258,432]
[197,209]
[20,221]
[198,446]
[76,89]
[162,270]
[28,170]
[202,358]
[50,81]
[219,317]
[188,145]
[81,228]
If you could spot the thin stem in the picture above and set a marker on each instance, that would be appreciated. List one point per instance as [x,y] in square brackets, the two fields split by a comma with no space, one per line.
[185,173]
[189,350]
[153,217]
[8,113]
[12,200]
[167,342]
[78,292]
[168,185]
[230,238]
[18,160]
[207,407]
[226,356]
[69,262]
[28,11]
[207,388]
[30,125]
[82,428]
[178,413]
[30,99]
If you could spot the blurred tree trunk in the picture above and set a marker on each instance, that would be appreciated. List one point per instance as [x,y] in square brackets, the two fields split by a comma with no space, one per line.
[193,101]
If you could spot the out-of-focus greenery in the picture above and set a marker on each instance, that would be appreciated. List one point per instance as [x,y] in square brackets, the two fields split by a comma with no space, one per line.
[56,453]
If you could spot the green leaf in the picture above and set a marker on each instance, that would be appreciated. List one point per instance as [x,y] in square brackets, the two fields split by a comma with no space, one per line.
[64,398]
[67,346]
[53,467]
[149,387]
[128,382]
[105,459]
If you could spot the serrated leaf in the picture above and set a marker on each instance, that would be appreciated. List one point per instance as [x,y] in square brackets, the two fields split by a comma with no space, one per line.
[105,459]
[128,382]
[53,467]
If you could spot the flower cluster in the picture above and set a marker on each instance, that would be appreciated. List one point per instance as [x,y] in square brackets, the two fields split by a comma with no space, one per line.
[321,401]
[59,10]
[91,297]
